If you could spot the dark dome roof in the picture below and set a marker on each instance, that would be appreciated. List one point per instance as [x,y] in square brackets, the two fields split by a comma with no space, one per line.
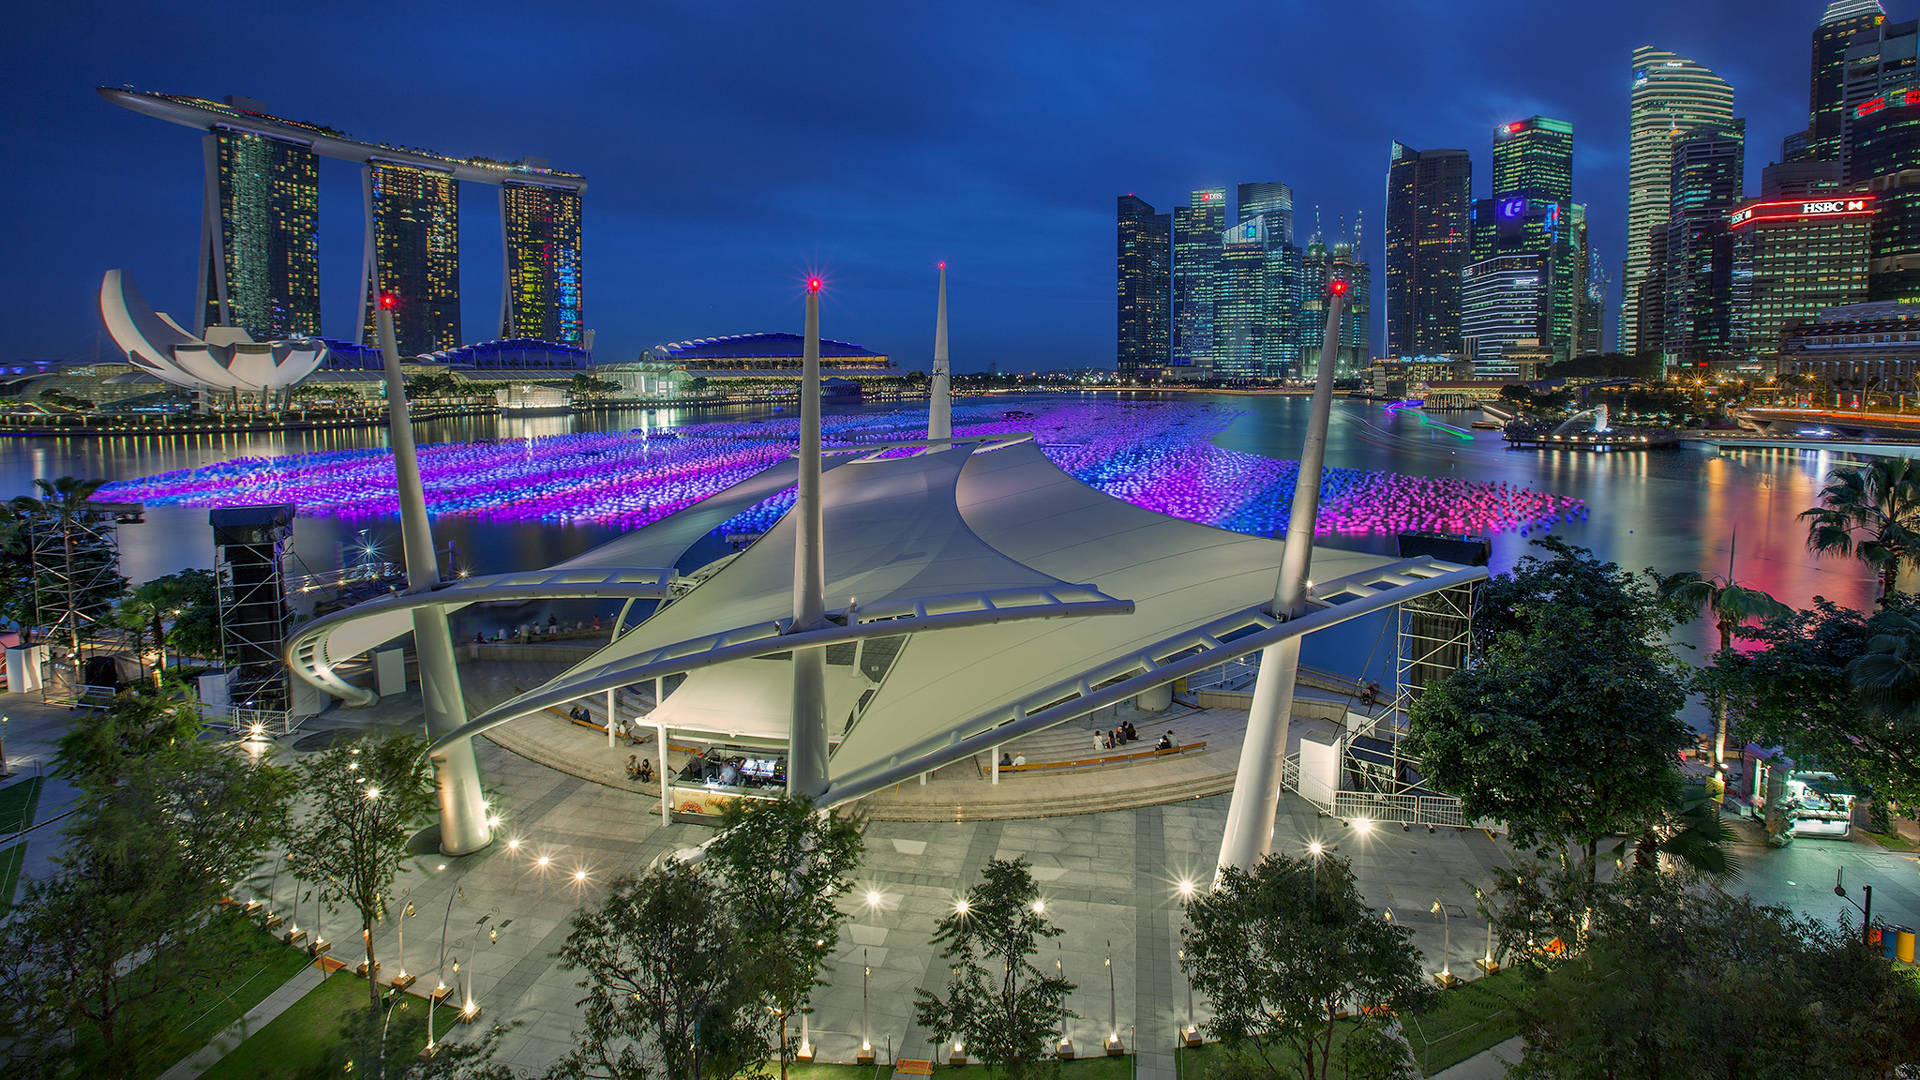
[738,345]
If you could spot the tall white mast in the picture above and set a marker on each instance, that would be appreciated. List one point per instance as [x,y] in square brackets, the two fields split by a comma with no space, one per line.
[939,388]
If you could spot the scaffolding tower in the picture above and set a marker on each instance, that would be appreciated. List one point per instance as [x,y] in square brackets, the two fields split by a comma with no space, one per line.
[250,554]
[76,579]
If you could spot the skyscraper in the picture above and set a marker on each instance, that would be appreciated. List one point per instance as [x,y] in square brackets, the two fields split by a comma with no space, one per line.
[1196,259]
[1429,196]
[1273,201]
[1670,94]
[1322,264]
[259,263]
[1793,258]
[1706,186]
[1145,288]
[1534,157]
[1248,321]
[1593,313]
[1826,98]
[413,255]
[1885,159]
[544,295]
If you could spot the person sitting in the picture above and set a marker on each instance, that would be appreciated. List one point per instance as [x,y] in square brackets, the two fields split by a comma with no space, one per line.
[1102,742]
[1019,760]
[633,770]
[646,770]
[1006,760]
[1165,743]
[1132,735]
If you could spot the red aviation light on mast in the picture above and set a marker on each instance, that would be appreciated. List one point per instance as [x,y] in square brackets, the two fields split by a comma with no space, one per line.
[388,301]
[813,284]
[1337,287]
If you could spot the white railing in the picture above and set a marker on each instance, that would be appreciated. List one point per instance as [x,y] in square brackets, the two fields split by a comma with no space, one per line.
[1440,811]
[256,723]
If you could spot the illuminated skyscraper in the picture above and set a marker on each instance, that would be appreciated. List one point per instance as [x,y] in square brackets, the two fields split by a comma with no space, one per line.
[1273,201]
[1145,288]
[413,254]
[1429,198]
[544,296]
[1706,186]
[1534,157]
[260,266]
[1793,258]
[1885,159]
[1503,298]
[1670,95]
[1826,97]
[1196,259]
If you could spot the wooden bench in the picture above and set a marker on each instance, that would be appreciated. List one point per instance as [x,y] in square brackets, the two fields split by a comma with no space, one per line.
[912,1067]
[1109,759]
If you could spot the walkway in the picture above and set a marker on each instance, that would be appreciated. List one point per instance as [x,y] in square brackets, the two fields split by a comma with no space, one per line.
[308,979]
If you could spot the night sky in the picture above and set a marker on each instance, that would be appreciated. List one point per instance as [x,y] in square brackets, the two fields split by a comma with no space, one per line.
[730,148]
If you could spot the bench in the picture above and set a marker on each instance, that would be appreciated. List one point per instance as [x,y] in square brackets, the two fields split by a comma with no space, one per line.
[1108,759]
[912,1067]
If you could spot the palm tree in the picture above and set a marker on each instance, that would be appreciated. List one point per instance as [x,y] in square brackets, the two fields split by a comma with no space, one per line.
[1732,605]
[1691,833]
[1871,512]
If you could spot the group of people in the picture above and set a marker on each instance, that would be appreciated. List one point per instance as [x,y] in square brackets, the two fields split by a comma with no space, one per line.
[643,772]
[1118,737]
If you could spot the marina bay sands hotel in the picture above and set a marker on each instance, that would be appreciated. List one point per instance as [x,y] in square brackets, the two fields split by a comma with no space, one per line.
[259,260]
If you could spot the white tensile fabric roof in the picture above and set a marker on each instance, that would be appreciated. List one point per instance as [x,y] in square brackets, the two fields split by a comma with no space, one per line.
[901,530]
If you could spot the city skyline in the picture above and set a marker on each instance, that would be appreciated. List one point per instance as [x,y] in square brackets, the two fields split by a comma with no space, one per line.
[698,230]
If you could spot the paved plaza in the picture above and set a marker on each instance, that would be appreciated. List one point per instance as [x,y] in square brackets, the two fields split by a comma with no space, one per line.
[1110,879]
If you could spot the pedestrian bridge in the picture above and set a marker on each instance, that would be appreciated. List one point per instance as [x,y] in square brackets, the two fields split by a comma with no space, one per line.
[1749,440]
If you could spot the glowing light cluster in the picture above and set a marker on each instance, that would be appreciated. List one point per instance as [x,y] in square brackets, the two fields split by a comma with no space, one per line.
[1157,455]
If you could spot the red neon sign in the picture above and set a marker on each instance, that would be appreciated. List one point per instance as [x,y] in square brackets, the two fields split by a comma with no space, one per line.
[1849,206]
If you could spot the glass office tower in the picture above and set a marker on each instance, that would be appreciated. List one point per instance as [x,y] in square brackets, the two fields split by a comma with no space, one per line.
[1145,289]
[1429,232]
[413,254]
[1196,259]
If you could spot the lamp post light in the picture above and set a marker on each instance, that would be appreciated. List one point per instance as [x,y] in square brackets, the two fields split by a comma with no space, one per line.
[1060,972]
[865,1056]
[1446,976]
[1114,1046]
[1486,962]
[440,979]
[1191,1034]
[402,980]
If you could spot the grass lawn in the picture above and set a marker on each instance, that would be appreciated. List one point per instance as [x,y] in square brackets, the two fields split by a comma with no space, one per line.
[1464,1021]
[182,1019]
[10,863]
[1890,841]
[17,803]
[1094,1068]
[310,1039]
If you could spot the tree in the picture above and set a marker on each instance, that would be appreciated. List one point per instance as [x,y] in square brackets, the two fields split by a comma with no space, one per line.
[365,800]
[1005,1009]
[1282,951]
[667,992]
[1836,690]
[1665,984]
[153,608]
[780,864]
[1732,605]
[161,827]
[1565,723]
[1872,513]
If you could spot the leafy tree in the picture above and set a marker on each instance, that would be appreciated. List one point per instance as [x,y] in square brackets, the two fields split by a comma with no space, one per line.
[1836,690]
[1005,1009]
[780,864]
[1872,513]
[667,991]
[162,826]
[364,801]
[1731,605]
[1565,724]
[1672,981]
[152,609]
[1283,950]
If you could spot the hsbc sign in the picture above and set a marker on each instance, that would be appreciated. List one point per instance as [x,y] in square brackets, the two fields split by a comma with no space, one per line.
[1834,206]
[1801,211]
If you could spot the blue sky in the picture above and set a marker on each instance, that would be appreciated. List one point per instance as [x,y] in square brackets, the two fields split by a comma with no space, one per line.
[731,148]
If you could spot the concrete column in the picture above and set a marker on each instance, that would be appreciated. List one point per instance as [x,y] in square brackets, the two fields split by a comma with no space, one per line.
[610,719]
[666,802]
[463,814]
[940,381]
[1256,784]
[807,749]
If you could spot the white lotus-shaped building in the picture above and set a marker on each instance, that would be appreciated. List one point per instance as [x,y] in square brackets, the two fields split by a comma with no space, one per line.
[226,359]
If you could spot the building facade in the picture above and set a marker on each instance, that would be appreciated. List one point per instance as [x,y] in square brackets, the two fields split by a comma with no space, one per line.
[1271,200]
[1428,237]
[259,256]
[1872,346]
[1503,299]
[545,295]
[1706,186]
[1670,94]
[1145,288]
[413,255]
[1792,259]
[1252,325]
[1196,259]
[1826,98]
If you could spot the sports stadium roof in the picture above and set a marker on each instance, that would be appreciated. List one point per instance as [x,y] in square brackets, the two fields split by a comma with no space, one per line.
[756,345]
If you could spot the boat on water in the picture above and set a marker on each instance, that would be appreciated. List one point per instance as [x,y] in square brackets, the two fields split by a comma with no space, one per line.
[1487,425]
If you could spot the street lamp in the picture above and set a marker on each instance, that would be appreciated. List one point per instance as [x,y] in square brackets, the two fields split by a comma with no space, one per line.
[1446,950]
[1060,972]
[1192,1033]
[865,1056]
[1114,1046]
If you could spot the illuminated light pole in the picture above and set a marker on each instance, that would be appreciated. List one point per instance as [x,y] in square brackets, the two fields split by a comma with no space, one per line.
[1114,1047]
[1060,972]
[865,1056]
[807,749]
[1192,1033]
[1256,784]
[1446,949]
[940,385]
[463,820]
